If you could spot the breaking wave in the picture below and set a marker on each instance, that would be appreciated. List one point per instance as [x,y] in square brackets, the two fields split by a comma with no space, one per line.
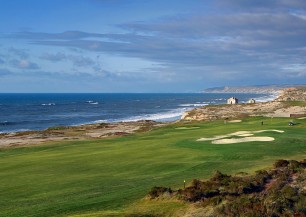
[193,105]
[162,116]
[267,98]
[48,104]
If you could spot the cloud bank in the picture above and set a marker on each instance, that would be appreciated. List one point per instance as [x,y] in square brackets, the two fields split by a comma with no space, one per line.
[234,42]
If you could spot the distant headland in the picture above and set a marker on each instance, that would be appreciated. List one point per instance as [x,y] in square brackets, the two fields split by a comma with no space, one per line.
[259,89]
[288,102]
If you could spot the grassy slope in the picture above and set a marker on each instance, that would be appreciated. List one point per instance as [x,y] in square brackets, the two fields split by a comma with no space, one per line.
[103,177]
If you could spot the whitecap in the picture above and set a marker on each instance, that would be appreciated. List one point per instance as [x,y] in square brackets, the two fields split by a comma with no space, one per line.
[92,102]
[100,121]
[48,104]
[193,104]
[15,131]
[171,115]
[267,98]
[4,123]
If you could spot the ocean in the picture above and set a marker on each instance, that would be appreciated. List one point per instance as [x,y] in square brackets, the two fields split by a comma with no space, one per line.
[24,112]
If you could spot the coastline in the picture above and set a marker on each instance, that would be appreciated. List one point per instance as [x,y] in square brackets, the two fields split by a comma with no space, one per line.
[290,102]
[77,133]
[97,130]
[86,156]
[39,115]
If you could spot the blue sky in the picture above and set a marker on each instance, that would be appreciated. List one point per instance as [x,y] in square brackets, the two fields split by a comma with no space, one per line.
[150,46]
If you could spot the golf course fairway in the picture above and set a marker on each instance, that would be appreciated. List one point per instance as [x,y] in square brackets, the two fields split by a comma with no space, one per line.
[109,177]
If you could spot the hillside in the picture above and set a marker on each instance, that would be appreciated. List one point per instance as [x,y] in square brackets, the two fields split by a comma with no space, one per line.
[292,94]
[292,101]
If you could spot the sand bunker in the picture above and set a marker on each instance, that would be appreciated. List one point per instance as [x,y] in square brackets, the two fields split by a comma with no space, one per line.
[238,133]
[261,131]
[302,118]
[247,133]
[234,121]
[186,128]
[212,138]
[248,136]
[245,139]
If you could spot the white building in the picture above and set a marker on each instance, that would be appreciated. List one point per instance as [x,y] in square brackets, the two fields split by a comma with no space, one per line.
[232,100]
[251,101]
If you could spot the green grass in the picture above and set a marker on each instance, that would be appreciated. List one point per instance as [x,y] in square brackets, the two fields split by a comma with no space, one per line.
[107,177]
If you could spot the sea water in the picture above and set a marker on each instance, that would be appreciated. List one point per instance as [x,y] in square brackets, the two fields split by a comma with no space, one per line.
[22,112]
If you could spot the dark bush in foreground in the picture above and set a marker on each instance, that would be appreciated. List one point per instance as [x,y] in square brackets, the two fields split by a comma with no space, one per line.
[158,191]
[281,163]
[277,192]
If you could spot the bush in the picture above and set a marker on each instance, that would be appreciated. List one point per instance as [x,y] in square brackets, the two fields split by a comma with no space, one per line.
[281,163]
[218,176]
[157,191]
[294,165]
[290,193]
[250,195]
[196,183]
[300,205]
[262,176]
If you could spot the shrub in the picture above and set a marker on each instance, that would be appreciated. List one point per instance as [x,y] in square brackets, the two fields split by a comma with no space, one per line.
[294,165]
[261,177]
[300,205]
[281,163]
[157,191]
[218,176]
[249,195]
[196,183]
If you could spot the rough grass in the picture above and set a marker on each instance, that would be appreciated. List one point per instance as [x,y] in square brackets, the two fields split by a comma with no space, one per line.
[294,103]
[107,177]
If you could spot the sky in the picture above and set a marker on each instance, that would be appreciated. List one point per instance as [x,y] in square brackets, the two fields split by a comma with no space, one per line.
[100,46]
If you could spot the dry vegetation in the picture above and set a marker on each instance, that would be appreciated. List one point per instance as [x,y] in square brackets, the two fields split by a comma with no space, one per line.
[280,191]
[291,101]
[88,131]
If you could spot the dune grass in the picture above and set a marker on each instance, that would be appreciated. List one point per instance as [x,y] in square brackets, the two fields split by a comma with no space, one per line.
[108,177]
